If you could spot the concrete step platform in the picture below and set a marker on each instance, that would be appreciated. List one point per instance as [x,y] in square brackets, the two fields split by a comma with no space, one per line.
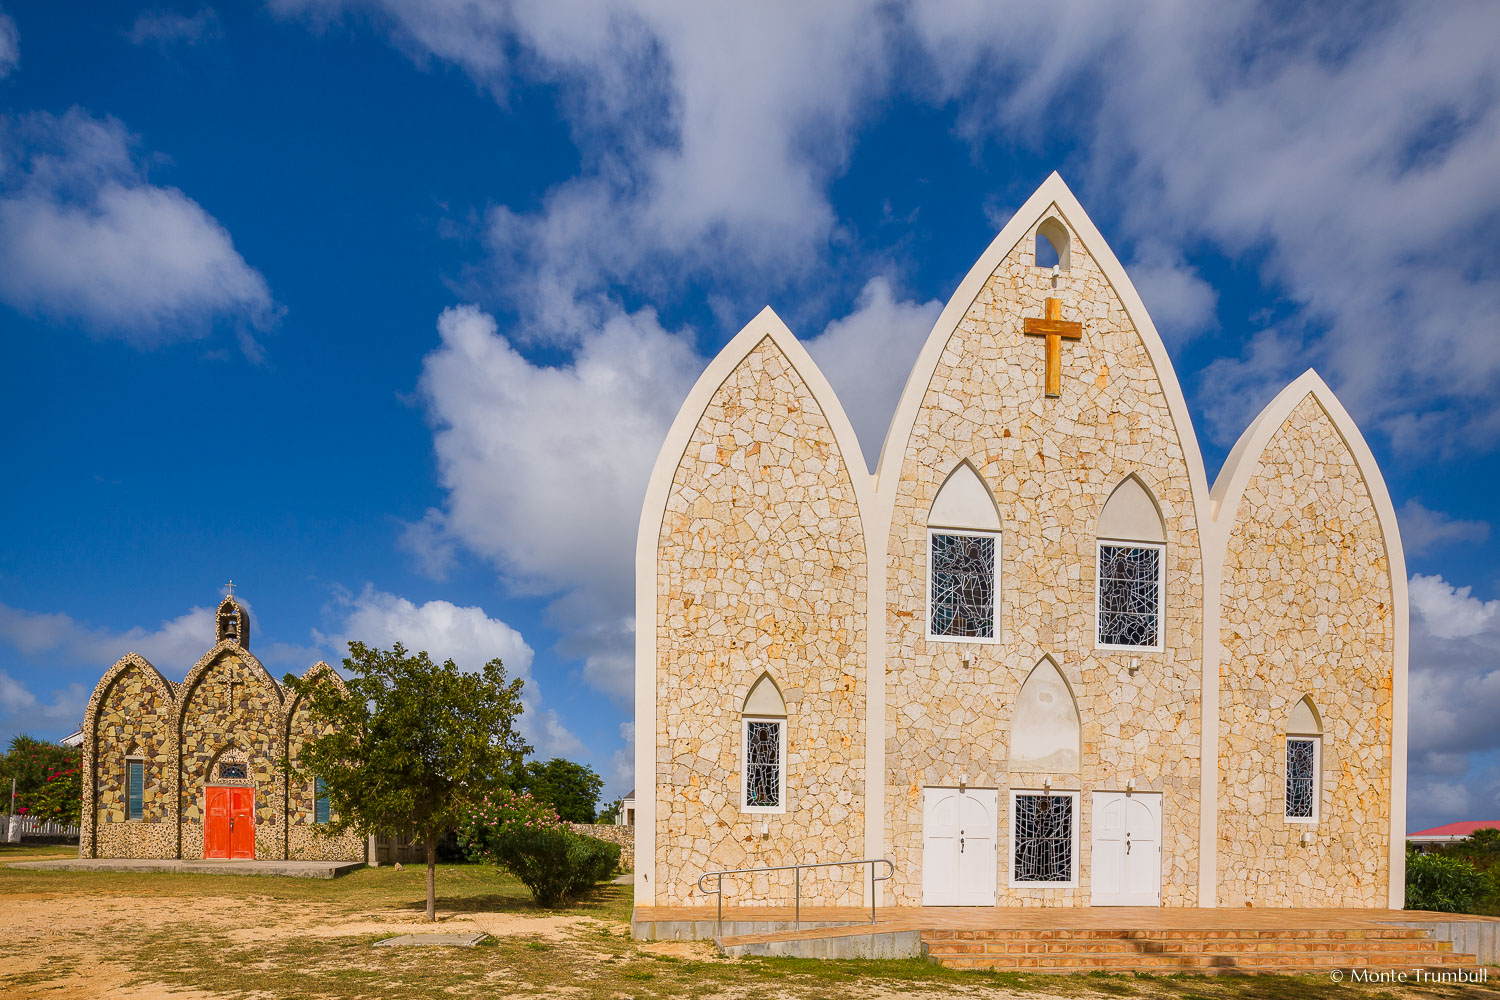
[291,869]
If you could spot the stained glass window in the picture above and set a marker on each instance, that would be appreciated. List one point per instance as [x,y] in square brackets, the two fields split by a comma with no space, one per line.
[320,802]
[136,790]
[1301,778]
[1130,595]
[763,764]
[232,772]
[1043,838]
[963,586]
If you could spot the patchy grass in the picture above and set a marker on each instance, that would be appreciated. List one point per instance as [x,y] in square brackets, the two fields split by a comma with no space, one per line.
[73,933]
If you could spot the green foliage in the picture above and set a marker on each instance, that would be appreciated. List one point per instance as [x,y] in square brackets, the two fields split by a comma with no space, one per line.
[572,788]
[410,741]
[1437,882]
[486,818]
[555,863]
[48,776]
[1482,850]
[611,814]
[527,836]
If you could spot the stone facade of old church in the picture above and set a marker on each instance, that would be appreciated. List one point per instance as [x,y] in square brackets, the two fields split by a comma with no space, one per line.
[193,770]
[1033,658]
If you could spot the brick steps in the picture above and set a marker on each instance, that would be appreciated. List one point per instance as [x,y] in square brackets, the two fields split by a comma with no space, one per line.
[1292,950]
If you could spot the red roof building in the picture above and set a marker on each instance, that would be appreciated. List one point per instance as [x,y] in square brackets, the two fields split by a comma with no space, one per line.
[1449,833]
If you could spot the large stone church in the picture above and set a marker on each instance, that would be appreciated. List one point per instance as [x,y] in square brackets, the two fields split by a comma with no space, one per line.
[193,770]
[1033,658]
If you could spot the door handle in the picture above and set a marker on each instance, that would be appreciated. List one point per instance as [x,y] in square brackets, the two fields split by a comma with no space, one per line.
[1127,843]
[960,842]
[231,824]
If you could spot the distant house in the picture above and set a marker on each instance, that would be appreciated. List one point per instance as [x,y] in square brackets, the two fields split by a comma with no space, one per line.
[626,815]
[1448,833]
[73,739]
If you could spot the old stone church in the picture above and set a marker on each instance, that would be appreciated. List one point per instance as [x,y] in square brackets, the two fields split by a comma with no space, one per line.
[1033,658]
[192,770]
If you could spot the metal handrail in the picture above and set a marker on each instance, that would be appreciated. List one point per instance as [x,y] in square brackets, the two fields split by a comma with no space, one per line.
[890,871]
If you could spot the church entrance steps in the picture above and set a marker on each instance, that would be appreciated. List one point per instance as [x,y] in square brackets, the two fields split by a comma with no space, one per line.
[1037,939]
[208,866]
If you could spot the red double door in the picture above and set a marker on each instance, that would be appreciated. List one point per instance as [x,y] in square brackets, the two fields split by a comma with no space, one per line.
[229,828]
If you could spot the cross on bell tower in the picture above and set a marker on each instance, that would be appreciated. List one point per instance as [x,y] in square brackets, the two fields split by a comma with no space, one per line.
[1054,329]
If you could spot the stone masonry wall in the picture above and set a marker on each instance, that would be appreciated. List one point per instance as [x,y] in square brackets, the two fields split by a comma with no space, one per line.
[622,835]
[1051,464]
[306,839]
[135,719]
[1307,610]
[761,568]
[233,706]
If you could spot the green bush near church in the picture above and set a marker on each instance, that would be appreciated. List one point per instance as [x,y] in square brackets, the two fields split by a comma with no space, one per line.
[556,864]
[1436,882]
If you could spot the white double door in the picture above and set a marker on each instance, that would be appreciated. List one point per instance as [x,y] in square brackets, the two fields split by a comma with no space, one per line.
[958,846]
[1125,869]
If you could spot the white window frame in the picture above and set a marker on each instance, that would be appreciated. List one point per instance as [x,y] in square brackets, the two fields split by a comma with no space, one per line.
[927,612]
[141,760]
[1161,592]
[745,721]
[1076,797]
[1317,776]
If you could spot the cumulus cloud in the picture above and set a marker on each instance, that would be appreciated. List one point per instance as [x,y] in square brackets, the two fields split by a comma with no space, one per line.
[167,27]
[85,236]
[10,45]
[466,635]
[1454,693]
[1423,530]
[21,711]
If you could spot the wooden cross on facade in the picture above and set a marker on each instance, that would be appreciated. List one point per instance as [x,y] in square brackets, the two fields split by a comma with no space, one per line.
[1054,329]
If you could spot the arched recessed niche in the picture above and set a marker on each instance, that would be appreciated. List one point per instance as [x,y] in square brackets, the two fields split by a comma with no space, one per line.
[765,699]
[1131,514]
[964,501]
[1045,732]
[1052,249]
[1304,719]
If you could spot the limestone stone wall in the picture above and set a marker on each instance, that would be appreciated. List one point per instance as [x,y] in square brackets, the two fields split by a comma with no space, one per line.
[134,719]
[307,840]
[1051,464]
[1307,610]
[761,568]
[232,707]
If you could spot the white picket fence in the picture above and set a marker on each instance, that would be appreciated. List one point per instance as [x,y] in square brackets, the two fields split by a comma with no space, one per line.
[17,827]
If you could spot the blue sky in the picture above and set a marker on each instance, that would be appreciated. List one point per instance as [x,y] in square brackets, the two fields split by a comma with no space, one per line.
[382,308]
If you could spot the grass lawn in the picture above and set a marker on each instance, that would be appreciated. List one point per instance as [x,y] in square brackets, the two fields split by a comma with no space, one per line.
[138,935]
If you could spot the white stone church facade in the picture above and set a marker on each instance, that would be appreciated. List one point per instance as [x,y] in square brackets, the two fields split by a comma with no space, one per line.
[1033,658]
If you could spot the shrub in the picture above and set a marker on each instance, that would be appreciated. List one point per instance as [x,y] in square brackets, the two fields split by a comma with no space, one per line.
[525,835]
[1434,882]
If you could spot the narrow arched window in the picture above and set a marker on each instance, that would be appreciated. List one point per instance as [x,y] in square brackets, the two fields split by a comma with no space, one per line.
[320,801]
[763,748]
[1132,548]
[1051,248]
[963,560]
[1304,763]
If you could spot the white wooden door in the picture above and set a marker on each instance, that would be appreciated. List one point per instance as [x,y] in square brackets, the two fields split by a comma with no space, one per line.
[1125,869]
[958,846]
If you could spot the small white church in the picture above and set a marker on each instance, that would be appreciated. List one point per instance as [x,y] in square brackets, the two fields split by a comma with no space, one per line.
[1033,658]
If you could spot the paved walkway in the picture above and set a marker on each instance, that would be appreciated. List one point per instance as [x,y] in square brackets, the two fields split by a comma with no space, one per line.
[294,869]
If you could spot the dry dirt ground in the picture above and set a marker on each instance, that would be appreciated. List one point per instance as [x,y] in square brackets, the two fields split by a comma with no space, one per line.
[130,936]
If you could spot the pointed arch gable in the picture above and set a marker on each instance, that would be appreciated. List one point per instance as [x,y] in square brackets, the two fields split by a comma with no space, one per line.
[764,698]
[1053,198]
[206,662]
[766,326]
[1304,718]
[1228,492]
[1046,728]
[130,661]
[964,501]
[1132,513]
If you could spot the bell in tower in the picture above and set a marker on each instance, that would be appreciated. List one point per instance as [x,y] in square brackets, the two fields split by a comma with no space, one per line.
[232,623]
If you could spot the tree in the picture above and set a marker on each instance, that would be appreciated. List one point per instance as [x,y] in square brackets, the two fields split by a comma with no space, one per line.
[573,789]
[48,777]
[611,814]
[410,742]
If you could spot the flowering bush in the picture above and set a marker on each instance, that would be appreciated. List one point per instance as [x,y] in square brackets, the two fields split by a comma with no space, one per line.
[526,836]
[48,779]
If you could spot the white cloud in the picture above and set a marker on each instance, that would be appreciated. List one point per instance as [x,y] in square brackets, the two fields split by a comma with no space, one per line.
[1352,156]
[1455,678]
[166,27]
[1181,303]
[172,647]
[21,711]
[85,236]
[465,635]
[10,45]
[1423,530]
[868,354]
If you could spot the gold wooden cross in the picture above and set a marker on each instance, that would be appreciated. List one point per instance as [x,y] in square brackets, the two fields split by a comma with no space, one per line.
[1054,329]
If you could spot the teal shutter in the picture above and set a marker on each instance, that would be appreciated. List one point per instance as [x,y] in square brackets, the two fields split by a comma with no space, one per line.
[320,802]
[136,790]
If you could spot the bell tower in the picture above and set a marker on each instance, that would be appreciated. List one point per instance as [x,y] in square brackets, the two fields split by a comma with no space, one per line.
[231,623]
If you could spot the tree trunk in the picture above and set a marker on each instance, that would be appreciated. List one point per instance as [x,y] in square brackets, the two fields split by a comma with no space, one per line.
[431,874]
